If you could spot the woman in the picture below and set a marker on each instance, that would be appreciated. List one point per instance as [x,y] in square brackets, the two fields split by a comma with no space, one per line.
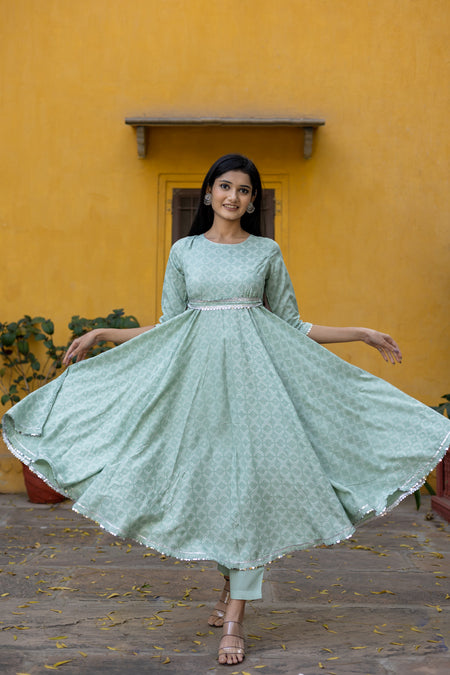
[212,435]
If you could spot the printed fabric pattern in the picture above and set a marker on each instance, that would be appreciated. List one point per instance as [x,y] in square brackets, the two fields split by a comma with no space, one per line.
[228,434]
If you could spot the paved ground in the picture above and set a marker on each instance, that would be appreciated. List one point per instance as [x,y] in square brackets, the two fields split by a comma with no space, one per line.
[76,600]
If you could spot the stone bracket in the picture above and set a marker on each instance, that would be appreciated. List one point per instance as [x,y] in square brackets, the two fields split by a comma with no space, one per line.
[142,124]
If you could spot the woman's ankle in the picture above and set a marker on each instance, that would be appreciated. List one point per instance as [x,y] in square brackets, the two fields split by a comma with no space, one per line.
[235,611]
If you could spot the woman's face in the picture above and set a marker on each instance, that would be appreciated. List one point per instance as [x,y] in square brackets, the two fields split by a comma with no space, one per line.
[231,194]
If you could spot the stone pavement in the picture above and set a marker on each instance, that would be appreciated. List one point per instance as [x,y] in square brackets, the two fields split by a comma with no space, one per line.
[76,600]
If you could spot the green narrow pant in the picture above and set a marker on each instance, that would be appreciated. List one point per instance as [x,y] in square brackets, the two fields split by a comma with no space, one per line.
[244,584]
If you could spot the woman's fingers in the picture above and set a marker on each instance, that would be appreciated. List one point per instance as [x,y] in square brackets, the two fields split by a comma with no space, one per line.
[387,347]
[394,350]
[77,350]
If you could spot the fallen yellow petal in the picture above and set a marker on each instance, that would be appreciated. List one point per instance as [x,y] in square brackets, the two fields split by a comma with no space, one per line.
[166,660]
[56,665]
[360,647]
[155,647]
[277,611]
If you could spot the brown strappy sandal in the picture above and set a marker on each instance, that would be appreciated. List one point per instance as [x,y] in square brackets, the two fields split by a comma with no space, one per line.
[234,634]
[216,617]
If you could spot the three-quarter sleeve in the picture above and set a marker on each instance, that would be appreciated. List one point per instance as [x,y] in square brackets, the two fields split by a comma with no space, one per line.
[280,293]
[174,295]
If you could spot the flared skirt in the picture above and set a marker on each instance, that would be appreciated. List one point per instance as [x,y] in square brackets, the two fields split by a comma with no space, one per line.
[226,435]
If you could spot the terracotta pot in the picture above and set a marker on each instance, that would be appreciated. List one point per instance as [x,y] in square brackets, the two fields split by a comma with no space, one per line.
[38,491]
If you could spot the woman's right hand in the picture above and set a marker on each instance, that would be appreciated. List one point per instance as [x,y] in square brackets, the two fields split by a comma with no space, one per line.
[79,348]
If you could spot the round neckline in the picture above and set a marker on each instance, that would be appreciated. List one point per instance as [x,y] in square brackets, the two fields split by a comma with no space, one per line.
[218,243]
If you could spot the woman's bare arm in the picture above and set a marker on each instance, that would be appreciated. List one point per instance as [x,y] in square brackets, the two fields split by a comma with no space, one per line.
[385,344]
[79,348]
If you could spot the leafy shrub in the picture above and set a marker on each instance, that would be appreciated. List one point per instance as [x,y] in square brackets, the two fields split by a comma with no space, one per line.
[22,370]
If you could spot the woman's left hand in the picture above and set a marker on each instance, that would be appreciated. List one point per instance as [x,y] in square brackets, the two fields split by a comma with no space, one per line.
[386,345]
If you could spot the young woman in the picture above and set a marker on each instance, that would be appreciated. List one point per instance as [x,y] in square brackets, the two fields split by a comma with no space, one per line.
[212,436]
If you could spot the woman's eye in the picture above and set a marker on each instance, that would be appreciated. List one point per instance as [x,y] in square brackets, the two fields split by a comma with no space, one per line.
[244,191]
[224,186]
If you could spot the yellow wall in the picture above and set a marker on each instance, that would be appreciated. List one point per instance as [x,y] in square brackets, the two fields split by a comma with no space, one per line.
[364,223]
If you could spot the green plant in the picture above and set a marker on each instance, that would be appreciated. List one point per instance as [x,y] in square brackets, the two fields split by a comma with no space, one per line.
[22,371]
[25,366]
[444,409]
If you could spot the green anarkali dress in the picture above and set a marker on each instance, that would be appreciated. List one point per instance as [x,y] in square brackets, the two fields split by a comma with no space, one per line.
[212,436]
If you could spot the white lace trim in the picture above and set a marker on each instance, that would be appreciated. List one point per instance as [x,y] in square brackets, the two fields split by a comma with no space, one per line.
[226,303]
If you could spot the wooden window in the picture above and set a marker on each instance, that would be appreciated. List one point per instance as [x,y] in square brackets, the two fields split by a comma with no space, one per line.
[184,206]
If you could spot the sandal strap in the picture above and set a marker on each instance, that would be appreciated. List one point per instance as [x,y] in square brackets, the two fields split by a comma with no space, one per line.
[230,650]
[238,623]
[228,629]
[220,609]
[237,645]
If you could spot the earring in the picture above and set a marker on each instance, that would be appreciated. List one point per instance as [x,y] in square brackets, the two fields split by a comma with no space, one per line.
[207,199]
[251,208]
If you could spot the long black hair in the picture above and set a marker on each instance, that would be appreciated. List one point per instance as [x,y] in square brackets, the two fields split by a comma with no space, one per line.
[250,222]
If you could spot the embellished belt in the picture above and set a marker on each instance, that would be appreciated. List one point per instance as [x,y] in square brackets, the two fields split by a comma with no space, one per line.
[226,303]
